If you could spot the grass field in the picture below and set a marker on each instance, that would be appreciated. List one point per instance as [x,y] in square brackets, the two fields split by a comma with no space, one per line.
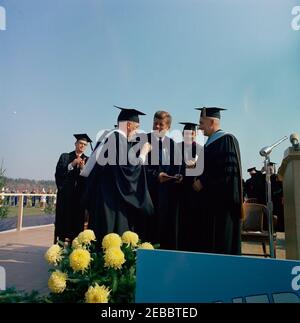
[13,211]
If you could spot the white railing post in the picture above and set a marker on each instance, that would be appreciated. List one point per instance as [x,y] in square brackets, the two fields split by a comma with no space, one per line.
[20,213]
[21,203]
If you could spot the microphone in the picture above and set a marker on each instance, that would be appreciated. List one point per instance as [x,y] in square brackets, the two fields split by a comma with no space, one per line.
[265,151]
[294,139]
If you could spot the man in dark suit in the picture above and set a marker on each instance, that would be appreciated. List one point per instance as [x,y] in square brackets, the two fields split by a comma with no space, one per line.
[69,219]
[162,177]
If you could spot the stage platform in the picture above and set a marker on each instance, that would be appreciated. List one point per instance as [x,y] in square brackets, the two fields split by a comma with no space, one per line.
[22,256]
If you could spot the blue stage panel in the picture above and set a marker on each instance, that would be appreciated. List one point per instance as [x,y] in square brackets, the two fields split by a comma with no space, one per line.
[187,277]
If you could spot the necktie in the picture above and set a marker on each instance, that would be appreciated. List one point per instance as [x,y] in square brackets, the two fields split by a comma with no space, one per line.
[160,151]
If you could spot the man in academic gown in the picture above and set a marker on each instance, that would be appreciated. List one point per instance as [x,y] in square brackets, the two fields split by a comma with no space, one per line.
[189,206]
[220,186]
[250,184]
[69,219]
[118,199]
[162,177]
[255,186]
[90,195]
[260,187]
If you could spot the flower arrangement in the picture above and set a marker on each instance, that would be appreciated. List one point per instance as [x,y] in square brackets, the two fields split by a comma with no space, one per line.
[86,271]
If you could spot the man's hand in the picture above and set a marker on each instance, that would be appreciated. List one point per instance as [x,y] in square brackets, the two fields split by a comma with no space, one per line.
[197,185]
[163,177]
[179,178]
[146,149]
[190,163]
[82,163]
[76,161]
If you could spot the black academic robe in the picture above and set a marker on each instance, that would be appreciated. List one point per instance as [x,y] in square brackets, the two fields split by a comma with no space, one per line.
[117,197]
[69,218]
[89,195]
[222,196]
[251,188]
[162,228]
[190,220]
[260,188]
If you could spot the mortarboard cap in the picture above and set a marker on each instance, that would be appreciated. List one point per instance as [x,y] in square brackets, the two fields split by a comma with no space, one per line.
[189,126]
[128,114]
[251,169]
[82,136]
[212,112]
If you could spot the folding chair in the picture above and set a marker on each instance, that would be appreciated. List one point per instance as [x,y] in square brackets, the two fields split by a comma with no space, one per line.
[253,226]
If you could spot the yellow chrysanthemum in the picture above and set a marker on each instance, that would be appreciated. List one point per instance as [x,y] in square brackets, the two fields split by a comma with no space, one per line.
[54,254]
[97,294]
[114,257]
[111,240]
[80,259]
[57,282]
[131,238]
[146,245]
[76,244]
[86,236]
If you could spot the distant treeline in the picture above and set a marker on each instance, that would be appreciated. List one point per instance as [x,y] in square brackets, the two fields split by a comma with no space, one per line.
[23,184]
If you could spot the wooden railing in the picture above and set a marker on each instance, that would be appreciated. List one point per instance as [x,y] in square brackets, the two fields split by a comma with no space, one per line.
[21,204]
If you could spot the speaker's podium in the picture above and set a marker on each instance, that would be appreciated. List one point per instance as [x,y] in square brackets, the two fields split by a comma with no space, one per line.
[186,277]
[290,173]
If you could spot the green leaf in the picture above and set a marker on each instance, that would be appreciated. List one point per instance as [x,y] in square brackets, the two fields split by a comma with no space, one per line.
[77,280]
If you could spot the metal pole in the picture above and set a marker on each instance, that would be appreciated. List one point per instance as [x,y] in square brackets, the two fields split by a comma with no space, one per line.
[265,152]
[269,206]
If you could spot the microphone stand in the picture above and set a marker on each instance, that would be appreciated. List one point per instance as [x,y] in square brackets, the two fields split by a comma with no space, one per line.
[269,205]
[266,153]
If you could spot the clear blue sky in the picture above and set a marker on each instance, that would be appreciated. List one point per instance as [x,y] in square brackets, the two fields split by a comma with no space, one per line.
[65,63]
